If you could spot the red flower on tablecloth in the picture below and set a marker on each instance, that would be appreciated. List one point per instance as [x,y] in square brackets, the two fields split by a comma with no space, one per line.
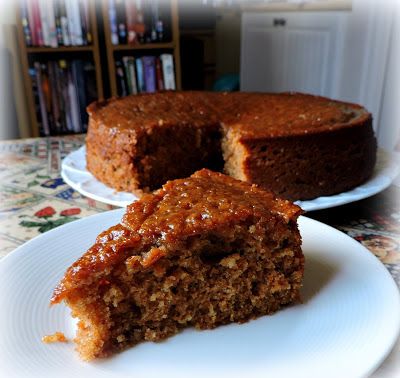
[45,212]
[71,211]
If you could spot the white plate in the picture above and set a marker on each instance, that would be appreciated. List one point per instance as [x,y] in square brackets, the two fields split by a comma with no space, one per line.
[75,174]
[346,326]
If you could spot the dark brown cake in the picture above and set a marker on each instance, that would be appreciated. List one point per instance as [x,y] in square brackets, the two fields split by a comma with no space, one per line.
[299,146]
[201,251]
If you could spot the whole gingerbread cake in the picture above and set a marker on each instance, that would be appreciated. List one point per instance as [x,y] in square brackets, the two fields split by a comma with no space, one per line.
[199,252]
[299,146]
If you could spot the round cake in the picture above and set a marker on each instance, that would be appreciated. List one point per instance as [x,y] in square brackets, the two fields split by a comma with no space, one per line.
[297,145]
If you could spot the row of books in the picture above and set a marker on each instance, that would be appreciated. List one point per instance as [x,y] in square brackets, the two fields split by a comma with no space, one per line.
[139,21]
[145,74]
[62,90]
[56,23]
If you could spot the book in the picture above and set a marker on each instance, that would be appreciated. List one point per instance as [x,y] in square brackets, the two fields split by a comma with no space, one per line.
[74,104]
[31,22]
[155,19]
[44,22]
[130,74]
[159,75]
[140,75]
[57,17]
[42,104]
[149,69]
[131,20]
[121,80]
[74,22]
[121,21]
[112,15]
[55,105]
[47,95]
[64,23]
[167,64]
[85,15]
[140,25]
[90,82]
[64,76]
[59,84]
[32,74]
[79,83]
[51,23]
[37,24]
[25,23]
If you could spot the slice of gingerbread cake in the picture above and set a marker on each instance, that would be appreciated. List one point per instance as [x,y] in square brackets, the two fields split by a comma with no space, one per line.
[199,252]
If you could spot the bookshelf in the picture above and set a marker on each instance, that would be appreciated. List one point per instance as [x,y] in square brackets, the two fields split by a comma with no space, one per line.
[29,54]
[136,49]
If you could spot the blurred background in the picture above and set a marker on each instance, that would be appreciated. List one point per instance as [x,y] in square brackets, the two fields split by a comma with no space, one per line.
[56,56]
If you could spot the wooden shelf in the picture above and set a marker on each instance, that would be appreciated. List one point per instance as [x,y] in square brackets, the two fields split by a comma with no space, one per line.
[147,46]
[40,50]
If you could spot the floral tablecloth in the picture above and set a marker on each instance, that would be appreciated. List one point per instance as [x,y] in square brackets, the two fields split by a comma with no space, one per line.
[35,199]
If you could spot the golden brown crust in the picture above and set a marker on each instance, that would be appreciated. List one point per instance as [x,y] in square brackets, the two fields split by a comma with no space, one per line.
[200,252]
[137,143]
[180,209]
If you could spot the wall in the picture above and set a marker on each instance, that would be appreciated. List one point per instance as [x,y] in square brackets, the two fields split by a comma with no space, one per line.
[14,122]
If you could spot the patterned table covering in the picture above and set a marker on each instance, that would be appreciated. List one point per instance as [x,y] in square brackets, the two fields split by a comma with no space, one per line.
[35,199]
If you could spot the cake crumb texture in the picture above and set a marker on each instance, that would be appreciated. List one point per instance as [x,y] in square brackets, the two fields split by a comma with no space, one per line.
[200,252]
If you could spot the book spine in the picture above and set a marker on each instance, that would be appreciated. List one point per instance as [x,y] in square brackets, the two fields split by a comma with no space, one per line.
[83,21]
[154,10]
[37,24]
[130,9]
[48,98]
[31,21]
[147,20]
[42,104]
[121,21]
[149,67]
[140,75]
[159,75]
[25,23]
[64,74]
[44,22]
[86,15]
[57,18]
[74,102]
[80,88]
[51,22]
[74,22]
[32,74]
[112,15]
[131,68]
[59,83]
[64,23]
[55,108]
[140,23]
[168,71]
[90,82]
[121,81]
[125,60]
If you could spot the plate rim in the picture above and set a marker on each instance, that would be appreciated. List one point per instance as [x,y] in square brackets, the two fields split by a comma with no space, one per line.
[390,173]
[303,221]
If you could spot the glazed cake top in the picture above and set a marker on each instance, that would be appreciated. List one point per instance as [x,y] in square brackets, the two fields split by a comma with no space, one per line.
[182,208]
[253,115]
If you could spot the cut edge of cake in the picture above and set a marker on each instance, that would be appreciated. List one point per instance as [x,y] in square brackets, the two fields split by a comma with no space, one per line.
[179,260]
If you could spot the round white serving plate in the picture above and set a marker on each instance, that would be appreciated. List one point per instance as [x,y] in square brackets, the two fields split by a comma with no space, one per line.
[75,174]
[347,324]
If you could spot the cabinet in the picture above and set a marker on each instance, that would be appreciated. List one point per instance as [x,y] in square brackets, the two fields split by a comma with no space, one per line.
[292,51]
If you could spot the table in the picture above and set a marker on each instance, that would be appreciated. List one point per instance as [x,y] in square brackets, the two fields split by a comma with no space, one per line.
[35,199]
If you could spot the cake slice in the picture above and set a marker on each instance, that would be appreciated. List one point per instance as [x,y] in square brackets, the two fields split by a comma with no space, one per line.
[202,251]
